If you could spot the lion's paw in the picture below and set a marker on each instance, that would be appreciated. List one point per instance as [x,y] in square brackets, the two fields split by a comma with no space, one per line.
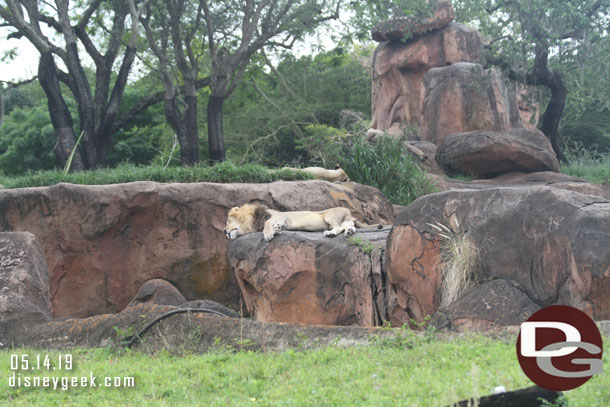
[268,237]
[329,233]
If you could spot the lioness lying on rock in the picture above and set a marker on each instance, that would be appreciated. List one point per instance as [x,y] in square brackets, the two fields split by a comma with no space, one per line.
[336,175]
[251,218]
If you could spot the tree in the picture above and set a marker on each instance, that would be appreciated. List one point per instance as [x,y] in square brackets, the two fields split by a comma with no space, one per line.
[529,37]
[84,23]
[172,29]
[237,30]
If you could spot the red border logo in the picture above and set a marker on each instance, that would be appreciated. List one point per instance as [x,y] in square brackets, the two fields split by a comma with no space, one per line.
[560,348]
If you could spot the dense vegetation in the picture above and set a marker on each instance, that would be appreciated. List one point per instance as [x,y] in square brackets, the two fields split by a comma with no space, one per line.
[312,109]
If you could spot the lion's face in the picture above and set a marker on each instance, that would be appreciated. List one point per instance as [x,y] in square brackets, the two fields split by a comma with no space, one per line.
[243,220]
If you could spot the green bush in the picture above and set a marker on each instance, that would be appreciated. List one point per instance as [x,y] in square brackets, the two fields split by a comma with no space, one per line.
[26,141]
[385,164]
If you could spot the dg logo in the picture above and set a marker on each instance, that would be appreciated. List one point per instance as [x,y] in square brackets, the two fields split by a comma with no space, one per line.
[560,348]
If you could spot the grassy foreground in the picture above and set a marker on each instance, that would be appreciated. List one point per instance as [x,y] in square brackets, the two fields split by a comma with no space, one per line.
[404,372]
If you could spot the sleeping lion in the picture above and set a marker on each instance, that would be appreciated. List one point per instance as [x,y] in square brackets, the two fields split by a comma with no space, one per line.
[336,175]
[251,218]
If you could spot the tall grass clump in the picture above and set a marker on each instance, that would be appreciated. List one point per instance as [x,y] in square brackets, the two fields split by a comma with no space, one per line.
[387,165]
[460,260]
[587,163]
[224,173]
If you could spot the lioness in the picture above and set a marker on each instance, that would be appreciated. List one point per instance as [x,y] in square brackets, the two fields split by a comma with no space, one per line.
[251,218]
[336,175]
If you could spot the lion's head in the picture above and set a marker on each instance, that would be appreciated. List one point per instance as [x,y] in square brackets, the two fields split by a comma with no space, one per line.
[344,177]
[246,219]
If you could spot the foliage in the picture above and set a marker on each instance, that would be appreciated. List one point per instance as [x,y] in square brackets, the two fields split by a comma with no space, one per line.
[385,164]
[368,13]
[366,247]
[587,163]
[26,141]
[423,372]
[563,45]
[267,116]
[224,173]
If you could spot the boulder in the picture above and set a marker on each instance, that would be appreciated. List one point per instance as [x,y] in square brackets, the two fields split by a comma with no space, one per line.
[554,244]
[519,179]
[24,285]
[398,28]
[464,97]
[399,69]
[103,242]
[157,291]
[211,305]
[309,278]
[489,306]
[485,154]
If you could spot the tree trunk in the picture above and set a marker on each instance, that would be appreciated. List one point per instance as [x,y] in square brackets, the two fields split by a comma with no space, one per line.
[86,107]
[552,79]
[185,127]
[58,110]
[215,132]
[553,113]
[192,130]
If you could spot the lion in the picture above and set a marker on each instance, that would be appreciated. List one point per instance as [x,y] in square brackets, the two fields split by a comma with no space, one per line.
[336,175]
[251,218]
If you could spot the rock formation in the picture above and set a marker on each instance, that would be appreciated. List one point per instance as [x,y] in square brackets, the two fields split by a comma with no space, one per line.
[103,242]
[24,286]
[553,244]
[484,154]
[308,278]
[399,70]
[428,83]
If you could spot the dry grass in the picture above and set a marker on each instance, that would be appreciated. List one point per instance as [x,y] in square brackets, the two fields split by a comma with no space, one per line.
[460,261]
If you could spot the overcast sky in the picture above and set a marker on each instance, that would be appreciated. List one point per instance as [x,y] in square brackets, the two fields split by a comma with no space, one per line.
[24,66]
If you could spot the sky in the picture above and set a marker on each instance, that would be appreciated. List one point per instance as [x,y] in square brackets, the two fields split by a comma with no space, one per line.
[24,66]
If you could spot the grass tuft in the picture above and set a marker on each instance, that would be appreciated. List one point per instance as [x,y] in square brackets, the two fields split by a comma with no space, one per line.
[460,259]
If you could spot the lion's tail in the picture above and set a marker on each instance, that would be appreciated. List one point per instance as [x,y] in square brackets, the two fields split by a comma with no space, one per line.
[367,226]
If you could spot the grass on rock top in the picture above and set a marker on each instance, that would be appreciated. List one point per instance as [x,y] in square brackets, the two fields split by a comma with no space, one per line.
[408,371]
[223,173]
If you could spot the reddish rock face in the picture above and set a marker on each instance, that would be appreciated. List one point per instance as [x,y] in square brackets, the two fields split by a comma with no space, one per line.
[551,243]
[308,278]
[530,179]
[103,242]
[24,286]
[484,154]
[490,305]
[399,69]
[464,97]
[399,27]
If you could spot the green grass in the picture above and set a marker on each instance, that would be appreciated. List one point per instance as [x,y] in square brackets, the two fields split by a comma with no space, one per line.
[587,164]
[224,172]
[404,372]
[388,166]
